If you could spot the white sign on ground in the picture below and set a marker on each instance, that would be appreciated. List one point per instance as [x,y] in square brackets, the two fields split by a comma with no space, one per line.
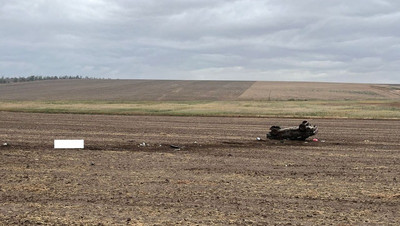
[68,144]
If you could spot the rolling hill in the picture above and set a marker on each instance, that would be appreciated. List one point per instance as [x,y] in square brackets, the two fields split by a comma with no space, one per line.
[184,90]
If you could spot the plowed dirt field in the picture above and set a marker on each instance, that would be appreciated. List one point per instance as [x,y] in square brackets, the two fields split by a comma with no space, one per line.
[128,172]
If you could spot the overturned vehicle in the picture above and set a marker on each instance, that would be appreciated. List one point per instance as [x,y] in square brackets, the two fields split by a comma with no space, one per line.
[301,132]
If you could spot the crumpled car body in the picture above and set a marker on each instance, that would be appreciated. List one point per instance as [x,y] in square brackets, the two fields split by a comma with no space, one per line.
[301,132]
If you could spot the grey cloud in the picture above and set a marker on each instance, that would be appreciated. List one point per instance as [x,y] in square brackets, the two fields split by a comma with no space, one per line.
[348,41]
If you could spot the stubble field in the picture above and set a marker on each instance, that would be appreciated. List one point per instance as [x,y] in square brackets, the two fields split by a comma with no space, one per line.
[220,174]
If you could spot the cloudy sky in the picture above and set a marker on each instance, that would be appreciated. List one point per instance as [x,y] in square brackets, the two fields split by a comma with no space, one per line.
[287,40]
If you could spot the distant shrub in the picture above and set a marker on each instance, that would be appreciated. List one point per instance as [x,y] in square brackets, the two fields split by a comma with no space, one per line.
[39,78]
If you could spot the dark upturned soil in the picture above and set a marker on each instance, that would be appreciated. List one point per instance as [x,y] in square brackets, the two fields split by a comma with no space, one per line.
[219,175]
[123,90]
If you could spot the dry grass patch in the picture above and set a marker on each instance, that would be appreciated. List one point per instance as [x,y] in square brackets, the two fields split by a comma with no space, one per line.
[382,109]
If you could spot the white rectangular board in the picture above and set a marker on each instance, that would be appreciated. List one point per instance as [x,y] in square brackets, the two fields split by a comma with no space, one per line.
[68,144]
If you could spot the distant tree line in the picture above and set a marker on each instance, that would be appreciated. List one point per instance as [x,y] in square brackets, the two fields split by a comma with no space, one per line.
[39,78]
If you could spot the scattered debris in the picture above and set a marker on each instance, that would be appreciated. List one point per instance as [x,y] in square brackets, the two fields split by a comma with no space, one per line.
[315,139]
[5,144]
[366,141]
[195,142]
[92,163]
[143,144]
[174,146]
[301,132]
[258,138]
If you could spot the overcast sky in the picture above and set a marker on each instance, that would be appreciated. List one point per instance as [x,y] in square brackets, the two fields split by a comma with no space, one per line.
[286,40]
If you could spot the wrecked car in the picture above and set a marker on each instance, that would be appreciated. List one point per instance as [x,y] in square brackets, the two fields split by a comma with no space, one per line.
[301,132]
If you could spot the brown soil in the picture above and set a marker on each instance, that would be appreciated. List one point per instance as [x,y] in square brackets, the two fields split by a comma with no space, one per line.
[168,90]
[124,90]
[318,91]
[220,174]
